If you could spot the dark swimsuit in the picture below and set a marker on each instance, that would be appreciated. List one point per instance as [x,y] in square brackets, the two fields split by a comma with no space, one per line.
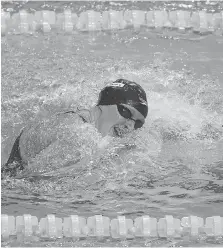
[15,161]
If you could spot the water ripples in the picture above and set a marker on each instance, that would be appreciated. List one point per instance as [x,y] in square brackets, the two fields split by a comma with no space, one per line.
[179,167]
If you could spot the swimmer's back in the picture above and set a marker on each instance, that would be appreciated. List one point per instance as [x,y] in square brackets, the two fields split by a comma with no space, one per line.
[40,134]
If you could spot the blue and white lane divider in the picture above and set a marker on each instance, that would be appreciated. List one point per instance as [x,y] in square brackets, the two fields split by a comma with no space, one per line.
[68,22]
[76,226]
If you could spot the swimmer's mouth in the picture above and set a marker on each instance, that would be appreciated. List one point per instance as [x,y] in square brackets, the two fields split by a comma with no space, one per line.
[117,132]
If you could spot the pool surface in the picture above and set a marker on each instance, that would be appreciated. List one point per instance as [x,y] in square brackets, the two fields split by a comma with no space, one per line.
[180,168]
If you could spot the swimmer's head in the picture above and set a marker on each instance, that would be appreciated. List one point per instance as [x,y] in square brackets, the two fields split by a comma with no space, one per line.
[124,107]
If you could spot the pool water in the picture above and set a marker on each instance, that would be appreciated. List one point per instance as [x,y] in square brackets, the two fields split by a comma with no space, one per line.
[178,168]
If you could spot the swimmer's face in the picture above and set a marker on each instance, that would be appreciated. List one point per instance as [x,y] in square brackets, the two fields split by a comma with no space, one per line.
[119,120]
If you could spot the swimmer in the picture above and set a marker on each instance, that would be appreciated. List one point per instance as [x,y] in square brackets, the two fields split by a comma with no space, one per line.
[121,108]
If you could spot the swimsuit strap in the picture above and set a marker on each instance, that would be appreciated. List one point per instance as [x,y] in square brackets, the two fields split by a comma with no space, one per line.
[71,111]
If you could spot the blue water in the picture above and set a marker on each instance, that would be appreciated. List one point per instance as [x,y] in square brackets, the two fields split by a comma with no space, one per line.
[179,172]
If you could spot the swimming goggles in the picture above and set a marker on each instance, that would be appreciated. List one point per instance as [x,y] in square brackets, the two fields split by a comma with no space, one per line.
[127,114]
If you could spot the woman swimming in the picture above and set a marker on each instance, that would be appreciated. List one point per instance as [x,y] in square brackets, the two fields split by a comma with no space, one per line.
[121,108]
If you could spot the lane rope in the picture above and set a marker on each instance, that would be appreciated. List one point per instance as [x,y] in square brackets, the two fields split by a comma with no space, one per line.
[101,226]
[68,22]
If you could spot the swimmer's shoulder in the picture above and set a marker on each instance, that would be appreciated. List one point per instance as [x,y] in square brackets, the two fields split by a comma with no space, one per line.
[43,131]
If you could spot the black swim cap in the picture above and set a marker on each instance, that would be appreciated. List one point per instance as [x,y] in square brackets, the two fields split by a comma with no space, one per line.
[123,91]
